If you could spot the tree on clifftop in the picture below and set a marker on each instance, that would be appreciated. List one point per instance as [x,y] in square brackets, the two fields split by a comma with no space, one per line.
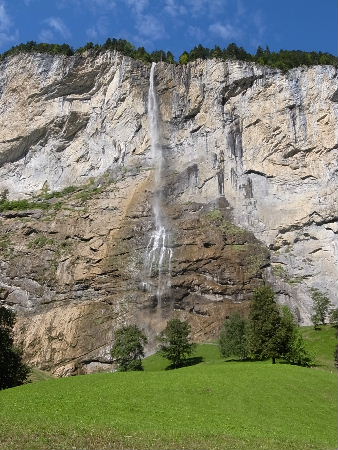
[128,349]
[13,371]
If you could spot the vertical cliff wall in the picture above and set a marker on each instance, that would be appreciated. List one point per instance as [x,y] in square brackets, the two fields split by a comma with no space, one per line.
[249,177]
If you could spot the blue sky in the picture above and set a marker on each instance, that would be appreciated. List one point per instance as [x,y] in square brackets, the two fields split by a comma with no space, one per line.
[174,25]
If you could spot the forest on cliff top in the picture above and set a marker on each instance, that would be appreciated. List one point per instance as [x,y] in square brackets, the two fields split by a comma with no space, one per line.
[283,59]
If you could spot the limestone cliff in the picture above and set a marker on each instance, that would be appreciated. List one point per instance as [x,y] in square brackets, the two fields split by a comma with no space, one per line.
[250,164]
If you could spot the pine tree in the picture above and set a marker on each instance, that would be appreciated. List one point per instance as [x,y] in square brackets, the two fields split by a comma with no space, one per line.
[265,322]
[234,337]
[297,353]
[184,58]
[128,348]
[291,344]
[13,371]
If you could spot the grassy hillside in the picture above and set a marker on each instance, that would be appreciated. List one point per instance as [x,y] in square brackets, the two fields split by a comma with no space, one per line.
[39,375]
[211,405]
[321,343]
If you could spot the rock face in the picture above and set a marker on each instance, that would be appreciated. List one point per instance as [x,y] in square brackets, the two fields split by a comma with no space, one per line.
[250,164]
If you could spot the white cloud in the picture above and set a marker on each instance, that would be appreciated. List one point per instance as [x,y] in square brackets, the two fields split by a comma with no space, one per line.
[5,21]
[56,24]
[92,33]
[94,5]
[174,9]
[258,21]
[205,7]
[196,33]
[137,6]
[46,35]
[240,8]
[7,33]
[225,31]
[150,27]
[99,28]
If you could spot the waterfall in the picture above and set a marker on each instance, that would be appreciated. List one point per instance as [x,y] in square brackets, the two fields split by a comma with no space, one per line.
[157,264]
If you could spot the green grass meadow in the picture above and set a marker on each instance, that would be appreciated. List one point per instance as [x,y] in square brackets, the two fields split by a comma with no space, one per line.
[321,343]
[209,405]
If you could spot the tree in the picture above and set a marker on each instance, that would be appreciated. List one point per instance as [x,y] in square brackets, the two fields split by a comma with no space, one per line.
[184,58]
[234,337]
[265,322]
[13,371]
[290,341]
[286,332]
[321,304]
[170,58]
[174,342]
[334,317]
[297,353]
[128,348]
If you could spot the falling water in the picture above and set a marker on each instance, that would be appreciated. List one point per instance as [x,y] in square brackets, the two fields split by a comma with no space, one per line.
[158,254]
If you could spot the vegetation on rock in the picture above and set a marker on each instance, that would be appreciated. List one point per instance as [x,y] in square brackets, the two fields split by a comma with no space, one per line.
[21,205]
[284,59]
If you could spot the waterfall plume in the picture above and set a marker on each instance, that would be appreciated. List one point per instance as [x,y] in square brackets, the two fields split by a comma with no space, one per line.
[157,264]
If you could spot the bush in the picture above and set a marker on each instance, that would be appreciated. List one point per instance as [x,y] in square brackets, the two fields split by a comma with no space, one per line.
[234,337]
[21,205]
[174,342]
[13,372]
[128,348]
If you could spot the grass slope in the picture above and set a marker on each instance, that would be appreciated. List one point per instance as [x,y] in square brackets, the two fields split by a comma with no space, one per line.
[39,375]
[321,343]
[212,405]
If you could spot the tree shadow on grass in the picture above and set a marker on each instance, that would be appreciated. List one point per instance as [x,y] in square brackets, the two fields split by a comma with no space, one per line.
[232,360]
[187,362]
